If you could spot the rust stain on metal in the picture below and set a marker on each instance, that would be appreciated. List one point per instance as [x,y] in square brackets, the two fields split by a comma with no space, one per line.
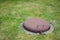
[36,25]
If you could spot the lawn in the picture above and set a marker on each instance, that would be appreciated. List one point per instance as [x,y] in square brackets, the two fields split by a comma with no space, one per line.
[14,12]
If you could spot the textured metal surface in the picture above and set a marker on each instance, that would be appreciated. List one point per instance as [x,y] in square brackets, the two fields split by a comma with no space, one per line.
[36,25]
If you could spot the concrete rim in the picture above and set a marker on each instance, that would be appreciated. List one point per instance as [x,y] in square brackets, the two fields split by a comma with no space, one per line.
[47,32]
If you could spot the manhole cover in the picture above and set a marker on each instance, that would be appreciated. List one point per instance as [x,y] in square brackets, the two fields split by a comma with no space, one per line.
[36,25]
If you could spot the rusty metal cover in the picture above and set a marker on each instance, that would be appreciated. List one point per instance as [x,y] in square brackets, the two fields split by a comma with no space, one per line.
[36,25]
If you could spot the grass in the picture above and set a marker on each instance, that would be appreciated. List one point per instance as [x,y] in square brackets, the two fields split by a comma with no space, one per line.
[13,13]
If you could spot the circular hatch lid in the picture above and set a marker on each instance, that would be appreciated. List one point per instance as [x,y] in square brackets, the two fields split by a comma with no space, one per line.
[36,25]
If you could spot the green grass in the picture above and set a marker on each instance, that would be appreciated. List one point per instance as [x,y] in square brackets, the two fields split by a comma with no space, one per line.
[13,13]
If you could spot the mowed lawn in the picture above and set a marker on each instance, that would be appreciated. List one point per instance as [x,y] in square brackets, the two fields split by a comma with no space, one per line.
[13,13]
